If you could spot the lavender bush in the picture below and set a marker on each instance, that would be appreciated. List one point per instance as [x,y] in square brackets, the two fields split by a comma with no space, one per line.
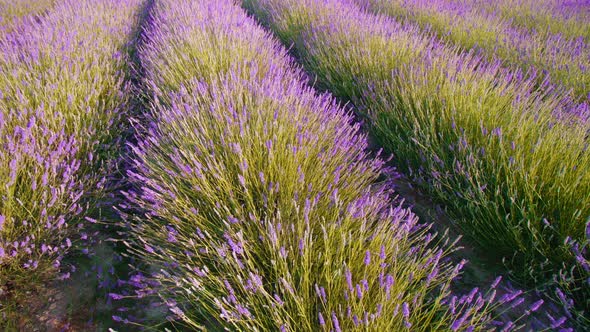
[255,204]
[569,18]
[14,13]
[62,93]
[565,60]
[507,157]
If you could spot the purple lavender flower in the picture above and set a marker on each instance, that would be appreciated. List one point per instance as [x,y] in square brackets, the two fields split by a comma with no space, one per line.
[335,322]
[321,319]
[458,322]
[535,306]
[496,282]
[405,310]
[559,322]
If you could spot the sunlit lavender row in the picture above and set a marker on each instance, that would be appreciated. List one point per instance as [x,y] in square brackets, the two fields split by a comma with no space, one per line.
[62,93]
[565,60]
[16,13]
[255,204]
[513,172]
[257,165]
[566,17]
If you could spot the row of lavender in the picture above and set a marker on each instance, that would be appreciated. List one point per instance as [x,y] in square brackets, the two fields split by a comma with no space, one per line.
[565,60]
[508,158]
[60,113]
[568,18]
[63,91]
[255,205]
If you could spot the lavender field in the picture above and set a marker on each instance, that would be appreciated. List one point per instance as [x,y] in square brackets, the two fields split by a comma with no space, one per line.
[294,165]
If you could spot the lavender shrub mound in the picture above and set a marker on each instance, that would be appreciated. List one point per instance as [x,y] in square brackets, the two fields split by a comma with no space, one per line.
[570,18]
[507,157]
[255,204]
[62,95]
[565,60]
[15,13]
